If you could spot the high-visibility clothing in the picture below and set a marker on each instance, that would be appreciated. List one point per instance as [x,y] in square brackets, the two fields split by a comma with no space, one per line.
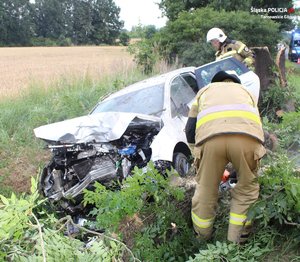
[238,219]
[225,107]
[211,158]
[238,50]
[224,125]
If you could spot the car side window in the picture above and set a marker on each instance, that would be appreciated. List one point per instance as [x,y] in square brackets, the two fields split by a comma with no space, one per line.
[191,81]
[181,95]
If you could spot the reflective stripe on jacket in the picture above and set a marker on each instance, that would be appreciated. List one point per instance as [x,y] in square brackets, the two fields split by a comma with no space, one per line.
[238,50]
[225,108]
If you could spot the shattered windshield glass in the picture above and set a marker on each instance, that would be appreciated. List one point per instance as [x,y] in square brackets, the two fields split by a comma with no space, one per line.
[145,101]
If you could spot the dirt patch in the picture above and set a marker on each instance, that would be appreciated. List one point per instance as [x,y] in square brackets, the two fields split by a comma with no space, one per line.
[17,175]
[128,227]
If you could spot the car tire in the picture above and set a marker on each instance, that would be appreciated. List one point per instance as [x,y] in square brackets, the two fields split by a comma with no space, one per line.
[181,164]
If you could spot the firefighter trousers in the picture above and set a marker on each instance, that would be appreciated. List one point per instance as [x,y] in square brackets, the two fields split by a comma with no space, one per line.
[244,152]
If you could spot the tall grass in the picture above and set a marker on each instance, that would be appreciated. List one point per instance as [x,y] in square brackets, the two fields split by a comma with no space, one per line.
[293,75]
[20,151]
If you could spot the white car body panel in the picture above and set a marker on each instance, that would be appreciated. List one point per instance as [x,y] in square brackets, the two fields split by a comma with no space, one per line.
[251,82]
[100,127]
[109,126]
[171,134]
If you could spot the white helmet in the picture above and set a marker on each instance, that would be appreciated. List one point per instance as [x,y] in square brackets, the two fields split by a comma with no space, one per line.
[215,33]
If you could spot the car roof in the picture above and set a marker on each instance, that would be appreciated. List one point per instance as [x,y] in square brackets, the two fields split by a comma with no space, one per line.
[152,81]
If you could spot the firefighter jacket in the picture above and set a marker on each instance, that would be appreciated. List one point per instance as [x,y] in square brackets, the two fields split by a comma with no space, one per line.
[223,108]
[238,50]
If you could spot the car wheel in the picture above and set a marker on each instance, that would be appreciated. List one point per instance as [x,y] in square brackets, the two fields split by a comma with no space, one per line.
[181,164]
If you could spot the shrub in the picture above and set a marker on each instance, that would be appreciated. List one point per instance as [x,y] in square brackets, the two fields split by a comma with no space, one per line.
[113,206]
[280,193]
[192,27]
[145,54]
[124,38]
[27,233]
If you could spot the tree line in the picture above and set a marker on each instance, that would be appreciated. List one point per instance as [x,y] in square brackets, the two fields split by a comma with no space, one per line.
[183,39]
[96,22]
[61,22]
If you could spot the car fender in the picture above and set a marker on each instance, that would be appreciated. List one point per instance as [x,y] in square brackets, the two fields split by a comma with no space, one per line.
[166,140]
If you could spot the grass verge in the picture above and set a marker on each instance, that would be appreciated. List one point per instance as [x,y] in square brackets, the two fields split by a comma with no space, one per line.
[21,153]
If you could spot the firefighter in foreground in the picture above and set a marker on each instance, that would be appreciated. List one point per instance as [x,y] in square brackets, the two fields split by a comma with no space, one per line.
[224,126]
[226,47]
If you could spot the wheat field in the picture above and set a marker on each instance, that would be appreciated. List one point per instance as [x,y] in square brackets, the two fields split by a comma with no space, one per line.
[22,66]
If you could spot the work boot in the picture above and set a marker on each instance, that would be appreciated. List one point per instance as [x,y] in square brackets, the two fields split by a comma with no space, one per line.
[238,234]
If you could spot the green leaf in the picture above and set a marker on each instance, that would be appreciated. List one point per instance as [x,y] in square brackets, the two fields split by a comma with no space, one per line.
[4,200]
[33,185]
[113,244]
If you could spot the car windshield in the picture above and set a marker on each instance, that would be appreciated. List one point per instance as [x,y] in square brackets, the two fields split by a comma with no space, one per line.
[147,101]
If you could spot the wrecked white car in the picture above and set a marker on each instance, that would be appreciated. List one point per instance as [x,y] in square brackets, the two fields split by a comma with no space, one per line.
[142,122]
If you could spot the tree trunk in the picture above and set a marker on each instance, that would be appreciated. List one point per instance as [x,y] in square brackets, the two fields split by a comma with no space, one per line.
[280,63]
[263,66]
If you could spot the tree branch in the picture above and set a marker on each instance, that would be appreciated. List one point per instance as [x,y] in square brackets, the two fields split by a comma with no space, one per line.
[41,237]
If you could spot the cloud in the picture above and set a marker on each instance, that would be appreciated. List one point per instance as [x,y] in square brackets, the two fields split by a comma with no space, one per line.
[145,12]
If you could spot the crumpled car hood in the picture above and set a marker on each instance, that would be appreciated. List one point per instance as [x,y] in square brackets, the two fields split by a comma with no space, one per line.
[100,127]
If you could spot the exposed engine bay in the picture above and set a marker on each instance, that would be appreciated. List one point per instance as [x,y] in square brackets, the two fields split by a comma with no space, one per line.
[76,166]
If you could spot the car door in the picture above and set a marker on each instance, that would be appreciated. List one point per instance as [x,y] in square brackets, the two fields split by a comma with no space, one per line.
[181,94]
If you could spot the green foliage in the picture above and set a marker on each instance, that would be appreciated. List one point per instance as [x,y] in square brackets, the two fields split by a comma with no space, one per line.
[16,215]
[253,250]
[285,24]
[173,8]
[167,235]
[82,22]
[192,27]
[141,31]
[124,38]
[196,55]
[58,22]
[62,248]
[274,99]
[146,54]
[17,221]
[43,41]
[64,99]
[165,229]
[15,22]
[280,193]
[105,22]
[149,31]
[113,206]
[287,130]
[293,76]
[23,237]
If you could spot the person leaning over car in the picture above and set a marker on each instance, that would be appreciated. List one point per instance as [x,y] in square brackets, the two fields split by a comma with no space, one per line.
[226,47]
[224,126]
